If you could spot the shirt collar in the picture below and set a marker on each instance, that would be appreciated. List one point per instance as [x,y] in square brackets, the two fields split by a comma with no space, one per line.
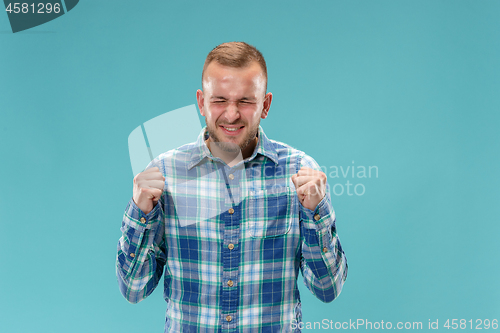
[200,150]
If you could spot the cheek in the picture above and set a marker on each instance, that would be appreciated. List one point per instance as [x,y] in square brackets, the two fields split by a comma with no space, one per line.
[255,114]
[212,113]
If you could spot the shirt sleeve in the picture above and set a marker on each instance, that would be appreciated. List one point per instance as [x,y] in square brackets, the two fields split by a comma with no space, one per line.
[323,262]
[141,250]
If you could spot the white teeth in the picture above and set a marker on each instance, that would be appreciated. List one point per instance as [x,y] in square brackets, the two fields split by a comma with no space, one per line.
[231,129]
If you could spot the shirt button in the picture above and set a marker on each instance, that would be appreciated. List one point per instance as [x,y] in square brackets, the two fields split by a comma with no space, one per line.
[325,250]
[143,220]
[230,283]
[132,255]
[317,217]
[230,246]
[231,176]
[229,318]
[231,211]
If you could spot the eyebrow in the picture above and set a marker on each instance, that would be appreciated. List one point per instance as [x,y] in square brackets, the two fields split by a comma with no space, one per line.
[241,99]
[248,99]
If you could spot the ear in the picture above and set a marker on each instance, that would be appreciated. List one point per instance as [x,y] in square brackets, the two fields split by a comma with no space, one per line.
[201,101]
[267,105]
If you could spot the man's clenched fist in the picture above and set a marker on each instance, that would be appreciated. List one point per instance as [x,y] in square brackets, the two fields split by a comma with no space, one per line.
[148,188]
[311,187]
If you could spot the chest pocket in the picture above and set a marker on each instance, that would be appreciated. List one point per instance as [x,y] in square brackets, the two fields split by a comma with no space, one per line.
[270,211]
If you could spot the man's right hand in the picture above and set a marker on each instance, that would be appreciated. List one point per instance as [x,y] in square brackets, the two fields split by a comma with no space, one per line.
[148,188]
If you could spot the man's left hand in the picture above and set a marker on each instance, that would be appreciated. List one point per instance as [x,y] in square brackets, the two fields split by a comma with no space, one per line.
[311,187]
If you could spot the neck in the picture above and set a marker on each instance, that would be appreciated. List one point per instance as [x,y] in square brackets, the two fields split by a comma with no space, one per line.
[248,151]
[231,154]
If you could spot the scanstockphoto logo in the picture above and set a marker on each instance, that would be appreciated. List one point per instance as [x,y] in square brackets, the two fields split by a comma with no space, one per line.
[355,177]
[28,14]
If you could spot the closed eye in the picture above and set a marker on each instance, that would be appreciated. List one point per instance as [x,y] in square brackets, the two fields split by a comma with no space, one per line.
[247,102]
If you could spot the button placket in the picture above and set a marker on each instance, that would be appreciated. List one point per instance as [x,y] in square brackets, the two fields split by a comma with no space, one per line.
[230,261]
[234,178]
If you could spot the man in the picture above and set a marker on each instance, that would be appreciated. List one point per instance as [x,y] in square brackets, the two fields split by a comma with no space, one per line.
[232,217]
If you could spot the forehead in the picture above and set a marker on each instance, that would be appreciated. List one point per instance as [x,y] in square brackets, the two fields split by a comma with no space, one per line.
[225,78]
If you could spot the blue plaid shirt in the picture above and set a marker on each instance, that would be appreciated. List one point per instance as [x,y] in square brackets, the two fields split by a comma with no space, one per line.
[230,242]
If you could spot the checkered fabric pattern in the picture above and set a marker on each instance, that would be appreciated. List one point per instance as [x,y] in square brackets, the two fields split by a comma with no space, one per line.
[230,242]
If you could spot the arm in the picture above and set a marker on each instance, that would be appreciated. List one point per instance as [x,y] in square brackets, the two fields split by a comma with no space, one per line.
[141,252]
[141,249]
[323,263]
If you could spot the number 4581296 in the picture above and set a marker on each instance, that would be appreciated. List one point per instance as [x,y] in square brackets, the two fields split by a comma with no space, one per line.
[40,8]
[477,324]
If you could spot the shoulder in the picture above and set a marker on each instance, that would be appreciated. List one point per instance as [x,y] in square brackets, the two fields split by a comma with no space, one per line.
[286,153]
[175,157]
[283,149]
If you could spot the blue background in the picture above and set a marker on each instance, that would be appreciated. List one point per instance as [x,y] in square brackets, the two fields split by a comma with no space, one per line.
[411,87]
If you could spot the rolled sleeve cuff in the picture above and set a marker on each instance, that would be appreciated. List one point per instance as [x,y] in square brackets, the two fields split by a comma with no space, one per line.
[321,217]
[137,219]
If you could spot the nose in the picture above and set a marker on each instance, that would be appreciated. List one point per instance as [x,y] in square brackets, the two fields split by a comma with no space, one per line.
[232,113]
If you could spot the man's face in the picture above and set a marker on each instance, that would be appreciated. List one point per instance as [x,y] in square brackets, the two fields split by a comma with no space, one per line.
[233,101]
